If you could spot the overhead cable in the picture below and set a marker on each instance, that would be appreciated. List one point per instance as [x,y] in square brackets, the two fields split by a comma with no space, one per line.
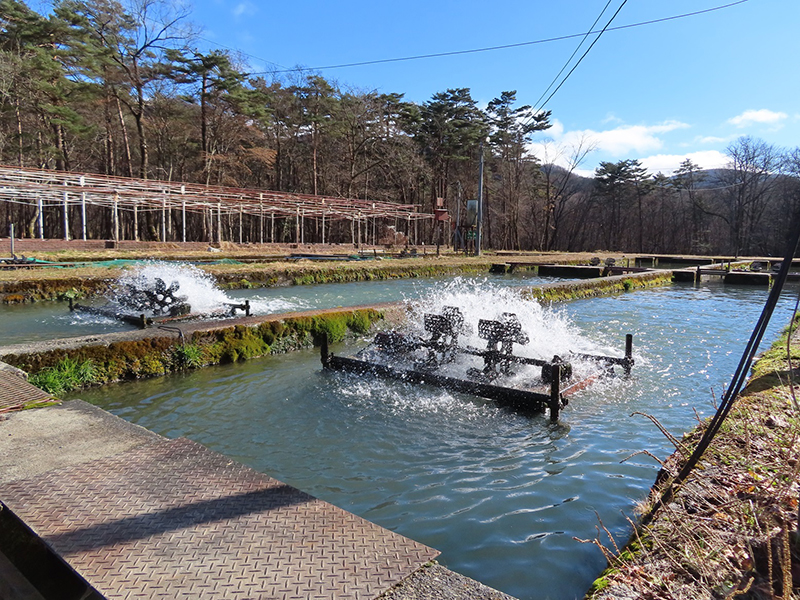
[493,48]
[572,70]
[574,52]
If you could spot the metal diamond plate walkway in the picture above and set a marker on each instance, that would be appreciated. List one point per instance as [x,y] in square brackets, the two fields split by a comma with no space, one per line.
[16,393]
[172,519]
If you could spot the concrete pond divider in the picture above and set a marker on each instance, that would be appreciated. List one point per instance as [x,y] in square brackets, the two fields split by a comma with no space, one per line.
[186,345]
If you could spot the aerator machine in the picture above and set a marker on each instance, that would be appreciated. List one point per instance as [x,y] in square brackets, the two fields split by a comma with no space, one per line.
[143,305]
[431,361]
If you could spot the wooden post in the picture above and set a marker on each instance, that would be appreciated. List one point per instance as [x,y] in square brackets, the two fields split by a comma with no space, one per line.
[555,392]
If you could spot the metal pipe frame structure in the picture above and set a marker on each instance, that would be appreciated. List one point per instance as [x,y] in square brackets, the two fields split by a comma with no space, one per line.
[59,189]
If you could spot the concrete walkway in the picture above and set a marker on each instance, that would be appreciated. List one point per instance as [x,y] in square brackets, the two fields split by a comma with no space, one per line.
[140,516]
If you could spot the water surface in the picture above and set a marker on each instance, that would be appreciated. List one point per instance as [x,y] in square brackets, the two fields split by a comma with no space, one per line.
[501,495]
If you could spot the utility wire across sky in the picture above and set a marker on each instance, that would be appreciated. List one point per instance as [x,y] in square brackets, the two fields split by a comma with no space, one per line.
[490,48]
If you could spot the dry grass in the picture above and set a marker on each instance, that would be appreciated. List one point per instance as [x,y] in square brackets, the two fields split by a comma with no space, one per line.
[731,528]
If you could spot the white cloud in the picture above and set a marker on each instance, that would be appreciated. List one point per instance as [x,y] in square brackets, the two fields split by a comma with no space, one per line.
[619,142]
[713,140]
[245,9]
[667,163]
[758,117]
[556,145]
[611,118]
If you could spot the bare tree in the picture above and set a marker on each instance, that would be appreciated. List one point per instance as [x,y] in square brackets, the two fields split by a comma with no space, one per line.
[559,165]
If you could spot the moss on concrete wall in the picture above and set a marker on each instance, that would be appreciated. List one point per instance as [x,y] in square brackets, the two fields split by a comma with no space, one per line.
[159,355]
[603,286]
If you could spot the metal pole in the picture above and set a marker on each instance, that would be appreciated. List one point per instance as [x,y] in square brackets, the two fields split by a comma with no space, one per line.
[323,227]
[272,228]
[83,215]
[555,391]
[11,237]
[261,218]
[479,228]
[136,220]
[183,215]
[628,354]
[82,181]
[116,218]
[241,218]
[66,216]
[219,222]
[41,218]
[164,220]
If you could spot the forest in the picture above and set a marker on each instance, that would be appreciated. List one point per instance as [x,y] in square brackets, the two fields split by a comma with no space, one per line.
[120,89]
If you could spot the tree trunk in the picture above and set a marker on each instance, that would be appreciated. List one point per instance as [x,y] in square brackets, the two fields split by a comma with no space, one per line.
[126,144]
[19,133]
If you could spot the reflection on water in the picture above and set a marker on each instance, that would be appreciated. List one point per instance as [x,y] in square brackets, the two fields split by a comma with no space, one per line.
[501,495]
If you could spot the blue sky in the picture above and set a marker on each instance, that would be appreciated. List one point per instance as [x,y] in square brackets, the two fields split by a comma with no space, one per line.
[659,93]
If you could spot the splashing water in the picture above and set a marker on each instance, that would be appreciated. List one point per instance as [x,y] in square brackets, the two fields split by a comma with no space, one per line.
[550,331]
[200,289]
[197,286]
[549,334]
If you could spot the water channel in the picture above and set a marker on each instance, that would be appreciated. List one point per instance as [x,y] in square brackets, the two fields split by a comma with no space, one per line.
[501,495]
[22,323]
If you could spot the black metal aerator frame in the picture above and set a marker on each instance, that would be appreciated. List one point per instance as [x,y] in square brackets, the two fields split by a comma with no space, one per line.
[442,347]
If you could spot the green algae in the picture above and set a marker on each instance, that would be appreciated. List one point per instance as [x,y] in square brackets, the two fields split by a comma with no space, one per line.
[602,286]
[150,357]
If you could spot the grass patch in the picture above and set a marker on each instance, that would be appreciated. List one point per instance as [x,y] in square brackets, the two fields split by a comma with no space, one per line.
[66,375]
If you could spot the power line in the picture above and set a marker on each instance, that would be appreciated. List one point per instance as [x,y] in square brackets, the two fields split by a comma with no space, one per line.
[572,70]
[493,48]
[574,52]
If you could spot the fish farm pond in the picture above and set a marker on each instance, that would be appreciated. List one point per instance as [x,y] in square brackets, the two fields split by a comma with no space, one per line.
[505,497]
